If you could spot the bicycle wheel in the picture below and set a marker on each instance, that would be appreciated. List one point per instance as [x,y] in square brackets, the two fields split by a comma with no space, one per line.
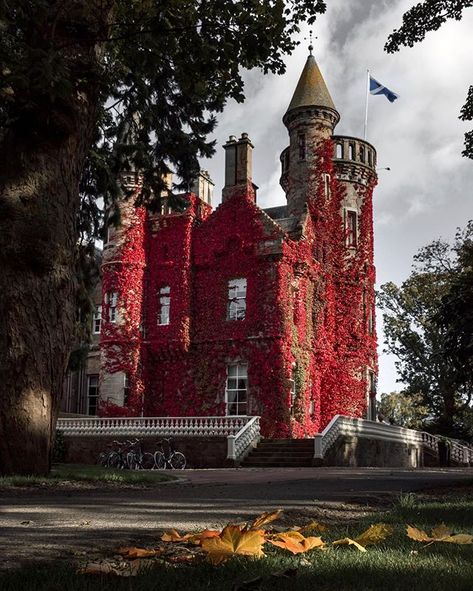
[113,460]
[132,461]
[159,460]
[177,461]
[147,462]
[103,458]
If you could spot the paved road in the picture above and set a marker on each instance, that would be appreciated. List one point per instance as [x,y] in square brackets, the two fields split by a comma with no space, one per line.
[44,524]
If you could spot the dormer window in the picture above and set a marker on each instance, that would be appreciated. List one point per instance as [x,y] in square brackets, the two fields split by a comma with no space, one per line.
[236,306]
[164,305]
[301,143]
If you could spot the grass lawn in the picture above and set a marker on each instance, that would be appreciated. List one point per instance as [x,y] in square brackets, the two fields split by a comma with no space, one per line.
[68,474]
[394,565]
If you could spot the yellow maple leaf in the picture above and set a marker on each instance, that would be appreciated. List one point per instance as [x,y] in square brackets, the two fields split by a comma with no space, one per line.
[314,525]
[265,518]
[349,542]
[295,542]
[440,533]
[373,535]
[231,541]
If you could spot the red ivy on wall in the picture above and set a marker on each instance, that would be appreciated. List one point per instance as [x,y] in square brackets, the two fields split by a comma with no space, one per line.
[304,335]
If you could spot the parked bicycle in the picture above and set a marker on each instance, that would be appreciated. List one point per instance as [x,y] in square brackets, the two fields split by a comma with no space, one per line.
[127,455]
[168,457]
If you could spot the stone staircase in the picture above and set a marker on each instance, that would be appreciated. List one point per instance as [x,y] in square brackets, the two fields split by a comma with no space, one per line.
[281,453]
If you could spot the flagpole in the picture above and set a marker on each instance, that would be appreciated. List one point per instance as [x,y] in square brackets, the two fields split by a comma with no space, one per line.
[366,104]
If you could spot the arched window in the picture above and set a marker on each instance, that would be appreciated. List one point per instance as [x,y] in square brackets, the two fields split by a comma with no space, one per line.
[339,151]
[351,151]
[301,144]
[362,154]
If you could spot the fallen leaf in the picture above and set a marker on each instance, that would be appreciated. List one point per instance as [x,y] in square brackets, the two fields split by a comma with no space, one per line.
[295,542]
[314,526]
[133,552]
[231,541]
[373,535]
[265,518]
[204,535]
[173,536]
[440,533]
[349,542]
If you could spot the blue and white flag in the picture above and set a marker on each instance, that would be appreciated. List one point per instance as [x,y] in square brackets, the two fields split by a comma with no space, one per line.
[378,88]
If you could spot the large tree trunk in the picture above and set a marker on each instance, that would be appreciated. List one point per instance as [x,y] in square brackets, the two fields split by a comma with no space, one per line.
[42,154]
[39,201]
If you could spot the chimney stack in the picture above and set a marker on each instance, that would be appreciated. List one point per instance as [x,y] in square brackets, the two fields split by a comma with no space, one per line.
[238,167]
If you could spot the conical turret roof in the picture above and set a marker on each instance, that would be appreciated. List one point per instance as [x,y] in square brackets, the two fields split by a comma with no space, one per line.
[311,90]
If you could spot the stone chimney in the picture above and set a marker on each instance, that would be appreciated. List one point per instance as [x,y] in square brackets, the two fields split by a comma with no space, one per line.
[203,187]
[239,167]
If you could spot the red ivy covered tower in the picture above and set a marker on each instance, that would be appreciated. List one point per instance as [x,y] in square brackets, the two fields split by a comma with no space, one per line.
[251,311]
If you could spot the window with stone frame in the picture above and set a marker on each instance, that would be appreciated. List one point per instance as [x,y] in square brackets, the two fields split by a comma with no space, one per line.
[236,392]
[293,387]
[92,393]
[97,320]
[111,300]
[236,304]
[164,305]
[301,146]
[351,223]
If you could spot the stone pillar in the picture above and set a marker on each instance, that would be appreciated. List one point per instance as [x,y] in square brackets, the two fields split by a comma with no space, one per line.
[238,167]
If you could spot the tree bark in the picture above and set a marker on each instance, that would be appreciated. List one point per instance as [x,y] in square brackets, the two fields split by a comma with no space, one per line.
[42,154]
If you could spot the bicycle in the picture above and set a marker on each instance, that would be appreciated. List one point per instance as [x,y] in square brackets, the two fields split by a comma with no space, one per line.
[116,458]
[168,457]
[139,460]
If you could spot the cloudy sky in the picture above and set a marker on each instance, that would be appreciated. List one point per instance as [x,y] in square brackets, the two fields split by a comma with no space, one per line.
[428,191]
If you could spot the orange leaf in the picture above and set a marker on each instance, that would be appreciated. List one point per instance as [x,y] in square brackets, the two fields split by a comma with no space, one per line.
[373,535]
[231,541]
[265,518]
[132,552]
[296,543]
[440,533]
[173,536]
[204,535]
[314,525]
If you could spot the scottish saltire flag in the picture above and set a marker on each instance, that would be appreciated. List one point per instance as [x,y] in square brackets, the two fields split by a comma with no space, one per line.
[377,88]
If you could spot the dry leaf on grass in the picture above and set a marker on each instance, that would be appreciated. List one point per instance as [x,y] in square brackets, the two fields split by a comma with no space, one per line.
[173,536]
[295,542]
[231,541]
[373,535]
[440,533]
[313,526]
[204,535]
[133,552]
[264,519]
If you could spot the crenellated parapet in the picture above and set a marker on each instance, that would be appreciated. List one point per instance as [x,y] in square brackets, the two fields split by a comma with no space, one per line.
[354,159]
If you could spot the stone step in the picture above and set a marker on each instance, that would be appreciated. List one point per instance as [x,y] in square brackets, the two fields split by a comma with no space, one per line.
[278,463]
[280,454]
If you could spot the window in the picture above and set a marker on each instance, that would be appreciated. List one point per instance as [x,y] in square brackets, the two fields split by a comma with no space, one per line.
[92,394]
[326,185]
[97,320]
[111,299]
[301,143]
[293,387]
[237,389]
[164,305]
[370,158]
[339,151]
[236,308]
[126,389]
[351,151]
[370,320]
[351,228]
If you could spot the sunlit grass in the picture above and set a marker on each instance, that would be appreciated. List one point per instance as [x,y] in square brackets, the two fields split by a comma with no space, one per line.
[63,474]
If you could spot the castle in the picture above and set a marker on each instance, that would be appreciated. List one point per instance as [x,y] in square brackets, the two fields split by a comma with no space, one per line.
[242,310]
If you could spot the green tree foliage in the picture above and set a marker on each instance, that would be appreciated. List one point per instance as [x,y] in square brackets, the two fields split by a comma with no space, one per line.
[89,88]
[404,409]
[414,334]
[427,16]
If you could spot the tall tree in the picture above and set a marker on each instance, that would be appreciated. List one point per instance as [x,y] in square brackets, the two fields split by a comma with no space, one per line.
[415,336]
[427,16]
[75,77]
